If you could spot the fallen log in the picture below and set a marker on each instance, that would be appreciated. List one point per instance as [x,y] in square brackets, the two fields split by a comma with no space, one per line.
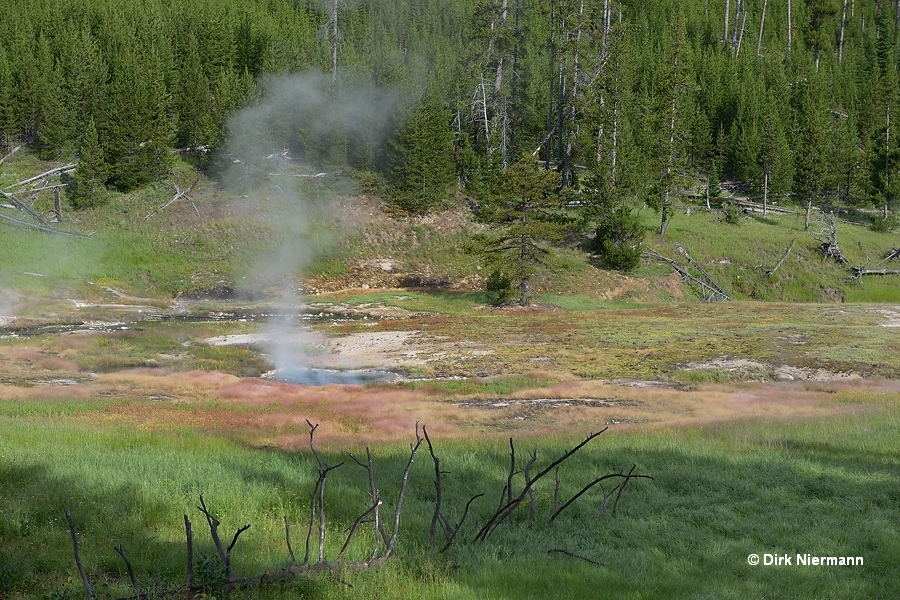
[710,293]
[62,169]
[10,153]
[179,193]
[43,228]
[770,272]
[22,206]
[894,254]
[858,272]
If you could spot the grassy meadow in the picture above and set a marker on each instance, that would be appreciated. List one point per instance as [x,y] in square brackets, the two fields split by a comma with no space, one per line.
[719,493]
[127,428]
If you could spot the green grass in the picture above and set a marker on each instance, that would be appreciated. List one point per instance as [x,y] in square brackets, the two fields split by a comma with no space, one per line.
[826,487]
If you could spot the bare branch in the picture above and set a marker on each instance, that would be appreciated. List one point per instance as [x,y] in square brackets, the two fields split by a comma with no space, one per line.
[389,550]
[120,550]
[531,497]
[510,507]
[770,272]
[287,540]
[567,553]
[461,521]
[22,206]
[84,579]
[24,182]
[354,527]
[10,153]
[189,582]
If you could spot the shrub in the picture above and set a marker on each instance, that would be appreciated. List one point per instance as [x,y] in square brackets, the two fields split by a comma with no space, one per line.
[883,224]
[732,213]
[499,283]
[618,239]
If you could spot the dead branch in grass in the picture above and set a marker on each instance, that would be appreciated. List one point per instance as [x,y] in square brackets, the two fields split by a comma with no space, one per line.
[138,591]
[224,553]
[507,510]
[179,193]
[572,555]
[770,272]
[439,516]
[84,580]
[24,182]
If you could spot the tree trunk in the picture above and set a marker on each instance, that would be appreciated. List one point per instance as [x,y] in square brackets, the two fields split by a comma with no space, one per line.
[766,192]
[334,41]
[727,17]
[741,36]
[789,27]
[808,212]
[841,39]
[762,26]
[550,124]
[664,220]
[887,156]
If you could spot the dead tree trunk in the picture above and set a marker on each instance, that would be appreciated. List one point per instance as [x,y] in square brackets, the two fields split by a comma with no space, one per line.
[762,26]
[727,18]
[788,27]
[841,38]
[84,580]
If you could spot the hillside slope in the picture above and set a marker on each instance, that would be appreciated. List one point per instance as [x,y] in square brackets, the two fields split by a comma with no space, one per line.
[324,235]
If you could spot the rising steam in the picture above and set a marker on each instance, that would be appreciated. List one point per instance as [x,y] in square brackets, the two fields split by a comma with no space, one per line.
[283,164]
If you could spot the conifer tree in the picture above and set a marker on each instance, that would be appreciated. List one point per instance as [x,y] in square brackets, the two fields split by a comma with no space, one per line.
[524,221]
[423,169]
[89,190]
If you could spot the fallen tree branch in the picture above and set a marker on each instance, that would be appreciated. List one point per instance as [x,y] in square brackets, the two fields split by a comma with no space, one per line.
[179,193]
[22,206]
[10,153]
[708,292]
[45,229]
[570,554]
[505,511]
[893,254]
[138,591]
[706,276]
[770,272]
[84,579]
[24,182]
[858,272]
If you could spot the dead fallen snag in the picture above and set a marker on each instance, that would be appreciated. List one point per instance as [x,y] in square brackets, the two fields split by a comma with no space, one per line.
[710,290]
[224,553]
[858,272]
[439,516]
[84,580]
[626,477]
[507,509]
[572,555]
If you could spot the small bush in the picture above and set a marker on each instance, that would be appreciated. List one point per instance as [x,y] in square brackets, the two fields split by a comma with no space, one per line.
[733,214]
[500,284]
[883,224]
[618,239]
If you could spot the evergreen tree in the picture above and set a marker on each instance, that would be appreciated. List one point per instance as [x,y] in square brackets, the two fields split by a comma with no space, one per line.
[423,169]
[524,221]
[811,131]
[137,131]
[89,190]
